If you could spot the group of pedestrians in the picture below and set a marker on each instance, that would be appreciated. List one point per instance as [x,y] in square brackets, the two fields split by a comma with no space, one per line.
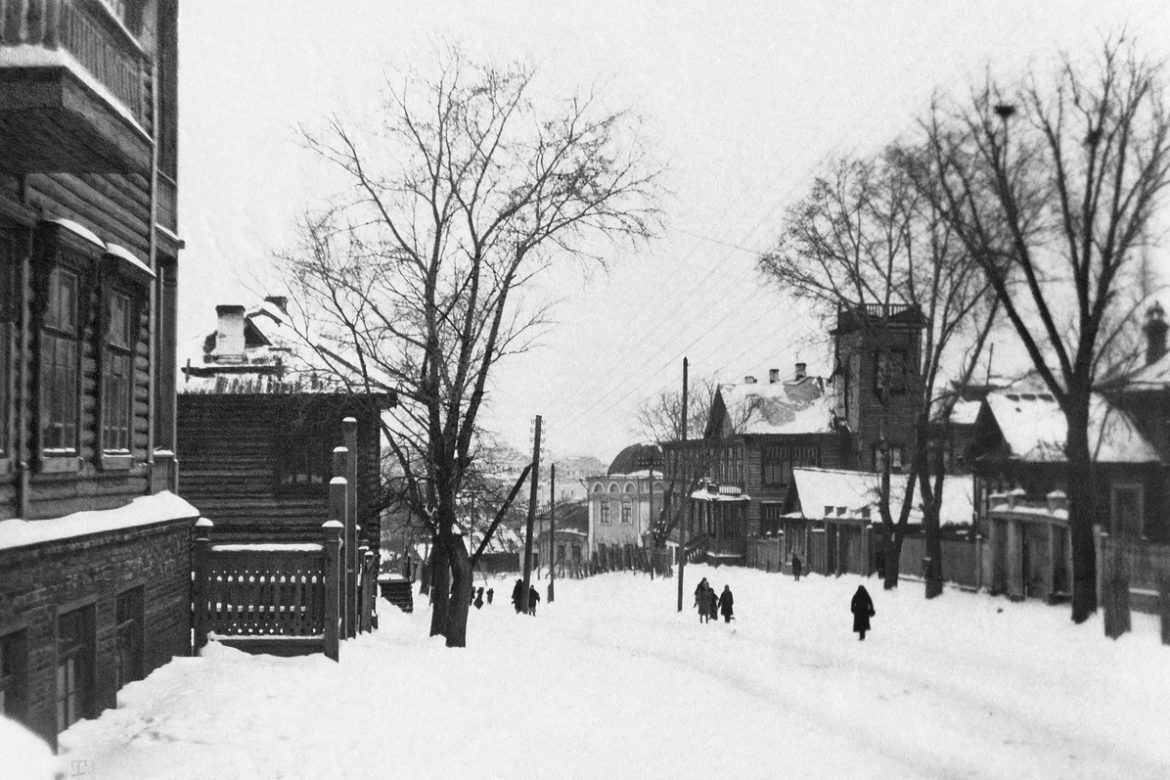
[711,606]
[518,597]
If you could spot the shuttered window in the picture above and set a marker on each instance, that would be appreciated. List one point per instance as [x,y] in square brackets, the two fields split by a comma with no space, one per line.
[117,374]
[59,365]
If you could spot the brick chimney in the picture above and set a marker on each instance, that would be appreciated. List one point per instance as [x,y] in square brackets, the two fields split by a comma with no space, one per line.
[279,301]
[229,334]
[1155,329]
[773,376]
[801,371]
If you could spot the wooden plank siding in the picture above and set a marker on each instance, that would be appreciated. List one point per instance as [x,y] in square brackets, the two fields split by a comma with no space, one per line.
[228,448]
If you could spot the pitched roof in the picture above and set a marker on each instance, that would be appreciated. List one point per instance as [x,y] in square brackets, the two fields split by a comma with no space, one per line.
[785,407]
[849,492]
[1154,376]
[1034,428]
[570,517]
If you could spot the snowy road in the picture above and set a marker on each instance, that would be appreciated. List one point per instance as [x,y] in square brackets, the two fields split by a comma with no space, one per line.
[611,681]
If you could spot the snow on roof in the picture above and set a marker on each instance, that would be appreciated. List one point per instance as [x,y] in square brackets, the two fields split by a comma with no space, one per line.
[1154,376]
[1035,429]
[78,230]
[146,510]
[965,412]
[849,492]
[792,407]
[126,256]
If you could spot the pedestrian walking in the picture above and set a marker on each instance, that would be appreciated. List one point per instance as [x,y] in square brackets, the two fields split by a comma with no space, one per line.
[533,597]
[862,608]
[478,599]
[491,592]
[796,566]
[701,600]
[712,599]
[518,595]
[726,600]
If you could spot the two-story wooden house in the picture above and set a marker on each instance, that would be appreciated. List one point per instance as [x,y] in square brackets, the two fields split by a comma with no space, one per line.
[735,480]
[93,549]
[257,424]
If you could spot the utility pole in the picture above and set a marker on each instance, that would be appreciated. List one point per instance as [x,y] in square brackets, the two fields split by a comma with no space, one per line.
[682,458]
[552,529]
[531,519]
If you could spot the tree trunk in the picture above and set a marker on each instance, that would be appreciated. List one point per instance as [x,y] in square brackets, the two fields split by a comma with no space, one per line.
[440,587]
[1081,496]
[460,597]
[928,466]
[893,557]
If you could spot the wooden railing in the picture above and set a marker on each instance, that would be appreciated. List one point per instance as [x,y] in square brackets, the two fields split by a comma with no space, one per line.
[245,594]
[100,46]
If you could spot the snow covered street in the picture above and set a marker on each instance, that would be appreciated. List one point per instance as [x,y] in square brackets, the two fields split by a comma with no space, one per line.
[611,680]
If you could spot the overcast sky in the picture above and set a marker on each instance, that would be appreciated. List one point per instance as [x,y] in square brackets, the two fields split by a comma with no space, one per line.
[744,101]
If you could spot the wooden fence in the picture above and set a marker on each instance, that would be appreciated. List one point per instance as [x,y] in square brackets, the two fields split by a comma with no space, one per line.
[1132,574]
[629,557]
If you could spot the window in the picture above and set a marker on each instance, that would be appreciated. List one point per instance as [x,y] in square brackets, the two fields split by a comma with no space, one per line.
[1127,510]
[604,512]
[13,660]
[560,552]
[778,461]
[890,372]
[897,458]
[627,510]
[7,331]
[303,460]
[770,519]
[129,628]
[59,365]
[74,666]
[117,373]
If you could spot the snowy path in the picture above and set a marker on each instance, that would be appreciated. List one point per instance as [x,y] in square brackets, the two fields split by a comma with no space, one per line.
[611,681]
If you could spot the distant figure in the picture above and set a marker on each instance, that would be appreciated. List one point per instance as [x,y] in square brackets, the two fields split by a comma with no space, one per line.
[518,595]
[701,600]
[490,593]
[712,604]
[478,599]
[862,609]
[796,565]
[725,602]
[533,598]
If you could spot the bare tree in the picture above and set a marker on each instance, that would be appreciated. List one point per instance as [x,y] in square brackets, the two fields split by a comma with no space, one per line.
[659,417]
[463,192]
[1052,184]
[866,242]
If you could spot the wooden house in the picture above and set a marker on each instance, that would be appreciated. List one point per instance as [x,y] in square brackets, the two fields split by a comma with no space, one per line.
[93,548]
[257,425]
[567,546]
[758,433]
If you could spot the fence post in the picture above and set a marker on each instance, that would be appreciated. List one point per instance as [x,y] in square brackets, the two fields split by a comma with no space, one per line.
[368,586]
[331,531]
[199,555]
[340,513]
[349,437]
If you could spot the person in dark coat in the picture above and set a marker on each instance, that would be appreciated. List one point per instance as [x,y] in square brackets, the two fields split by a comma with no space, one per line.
[796,566]
[712,604]
[491,592]
[533,597]
[518,595]
[862,609]
[701,600]
[478,599]
[725,602]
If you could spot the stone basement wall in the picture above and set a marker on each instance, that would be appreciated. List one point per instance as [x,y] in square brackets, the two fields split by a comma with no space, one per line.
[41,581]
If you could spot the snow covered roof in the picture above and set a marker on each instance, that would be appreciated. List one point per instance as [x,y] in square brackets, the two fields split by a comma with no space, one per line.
[1034,429]
[783,407]
[965,412]
[146,510]
[847,493]
[1154,376]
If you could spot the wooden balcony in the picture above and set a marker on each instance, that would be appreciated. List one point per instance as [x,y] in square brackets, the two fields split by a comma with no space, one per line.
[75,90]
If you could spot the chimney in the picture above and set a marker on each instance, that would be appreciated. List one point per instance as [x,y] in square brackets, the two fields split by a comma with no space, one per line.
[801,370]
[749,380]
[1155,329]
[773,376]
[229,335]
[279,301]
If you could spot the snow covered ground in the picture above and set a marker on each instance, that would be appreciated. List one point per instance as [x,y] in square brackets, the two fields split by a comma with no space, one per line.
[611,681]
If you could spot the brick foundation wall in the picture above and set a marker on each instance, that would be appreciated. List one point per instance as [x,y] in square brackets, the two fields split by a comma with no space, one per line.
[41,581]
